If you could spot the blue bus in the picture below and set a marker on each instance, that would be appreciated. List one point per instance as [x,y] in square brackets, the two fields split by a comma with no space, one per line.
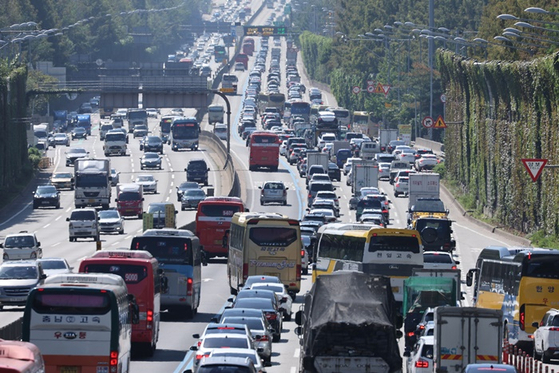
[185,133]
[178,253]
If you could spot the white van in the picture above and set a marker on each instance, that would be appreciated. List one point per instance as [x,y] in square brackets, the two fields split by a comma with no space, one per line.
[220,130]
[369,149]
[215,114]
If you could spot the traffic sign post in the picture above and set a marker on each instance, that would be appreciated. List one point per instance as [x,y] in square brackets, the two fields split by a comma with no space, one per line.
[371,88]
[428,122]
[443,98]
[385,90]
[534,167]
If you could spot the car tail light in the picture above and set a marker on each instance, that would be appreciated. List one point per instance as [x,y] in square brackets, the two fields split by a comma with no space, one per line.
[411,334]
[421,327]
[522,317]
[263,338]
[397,185]
[189,286]
[284,192]
[200,356]
[271,316]
[302,253]
[421,363]
[245,271]
[453,267]
[554,329]
[149,317]
[114,359]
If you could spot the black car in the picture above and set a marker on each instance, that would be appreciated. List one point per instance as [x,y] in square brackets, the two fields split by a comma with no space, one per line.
[153,144]
[334,171]
[46,195]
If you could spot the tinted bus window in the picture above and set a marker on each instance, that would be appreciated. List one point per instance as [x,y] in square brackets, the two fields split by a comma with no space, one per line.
[81,304]
[132,274]
[169,250]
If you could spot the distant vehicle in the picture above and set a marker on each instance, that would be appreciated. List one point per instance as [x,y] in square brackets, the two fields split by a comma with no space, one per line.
[273,191]
[79,133]
[62,180]
[17,278]
[22,245]
[148,183]
[150,160]
[55,266]
[111,221]
[191,198]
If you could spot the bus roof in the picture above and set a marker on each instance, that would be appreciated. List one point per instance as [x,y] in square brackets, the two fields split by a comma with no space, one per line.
[85,279]
[124,253]
[261,133]
[345,227]
[18,350]
[169,232]
[218,200]
[245,217]
[360,113]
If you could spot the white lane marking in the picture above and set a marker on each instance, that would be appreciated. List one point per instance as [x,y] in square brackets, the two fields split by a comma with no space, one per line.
[46,226]
[58,218]
[55,244]
[478,233]
[296,353]
[16,214]
[115,243]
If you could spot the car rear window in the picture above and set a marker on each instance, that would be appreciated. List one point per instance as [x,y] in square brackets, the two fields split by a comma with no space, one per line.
[436,258]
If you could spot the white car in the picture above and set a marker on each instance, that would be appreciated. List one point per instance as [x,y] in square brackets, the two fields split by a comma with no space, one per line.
[439,260]
[407,155]
[284,299]
[401,185]
[421,359]
[348,163]
[22,245]
[241,353]
[283,148]
[426,162]
[384,171]
[110,221]
[55,266]
[148,183]
[210,342]
[546,336]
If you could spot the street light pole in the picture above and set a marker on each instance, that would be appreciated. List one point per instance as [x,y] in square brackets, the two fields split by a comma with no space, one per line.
[431,51]
[228,112]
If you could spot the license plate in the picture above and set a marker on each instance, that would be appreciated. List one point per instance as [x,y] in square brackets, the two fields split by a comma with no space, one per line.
[264,158]
[16,299]
[91,200]
[69,369]
[45,202]
[395,289]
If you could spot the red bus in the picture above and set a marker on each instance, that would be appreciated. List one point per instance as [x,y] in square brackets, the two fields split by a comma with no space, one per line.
[264,150]
[213,219]
[242,57]
[140,271]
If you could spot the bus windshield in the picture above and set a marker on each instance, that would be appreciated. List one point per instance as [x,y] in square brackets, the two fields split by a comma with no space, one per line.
[394,243]
[167,250]
[80,303]
[273,236]
[277,98]
[132,274]
[137,114]
[542,266]
[219,210]
[263,139]
[185,131]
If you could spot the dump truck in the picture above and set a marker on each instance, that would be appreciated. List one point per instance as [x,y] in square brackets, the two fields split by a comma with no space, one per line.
[466,335]
[349,323]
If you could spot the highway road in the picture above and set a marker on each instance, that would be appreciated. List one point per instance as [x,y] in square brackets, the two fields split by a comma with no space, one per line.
[176,335]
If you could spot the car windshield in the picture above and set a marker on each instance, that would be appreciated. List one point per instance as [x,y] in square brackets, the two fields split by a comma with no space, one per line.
[157,208]
[197,166]
[145,178]
[19,241]
[18,272]
[54,264]
[189,185]
[62,176]
[77,151]
[195,193]
[108,214]
[46,189]
[151,155]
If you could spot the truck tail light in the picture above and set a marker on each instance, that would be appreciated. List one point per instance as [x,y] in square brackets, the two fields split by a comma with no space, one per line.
[522,318]
[263,338]
[149,317]
[302,253]
[298,272]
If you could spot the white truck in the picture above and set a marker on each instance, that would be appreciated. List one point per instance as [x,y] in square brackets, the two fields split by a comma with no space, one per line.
[423,185]
[385,136]
[466,335]
[316,157]
[93,182]
[363,174]
[115,143]
[369,149]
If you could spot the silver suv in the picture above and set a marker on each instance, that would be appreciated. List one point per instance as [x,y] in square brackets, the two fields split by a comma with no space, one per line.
[22,245]
[17,278]
[273,191]
[84,223]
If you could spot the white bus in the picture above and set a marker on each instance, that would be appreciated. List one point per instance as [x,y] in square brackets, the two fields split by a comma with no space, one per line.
[371,249]
[81,323]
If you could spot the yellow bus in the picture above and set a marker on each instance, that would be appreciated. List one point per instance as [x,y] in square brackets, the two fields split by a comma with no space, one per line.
[363,123]
[264,244]
[522,285]
[81,322]
[371,249]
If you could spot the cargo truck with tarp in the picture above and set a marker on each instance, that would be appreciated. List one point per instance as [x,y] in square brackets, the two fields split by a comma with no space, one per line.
[349,319]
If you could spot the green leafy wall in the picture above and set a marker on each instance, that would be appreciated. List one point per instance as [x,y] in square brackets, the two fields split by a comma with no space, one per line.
[14,160]
[503,112]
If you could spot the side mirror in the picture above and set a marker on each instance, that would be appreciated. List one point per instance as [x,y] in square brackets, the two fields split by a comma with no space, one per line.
[299,330]
[194,348]
[286,188]
[299,318]
[259,187]
[208,169]
[196,335]
[43,276]
[116,200]
[38,244]
[457,261]
[470,276]
[535,324]
[399,334]
[67,219]
[406,353]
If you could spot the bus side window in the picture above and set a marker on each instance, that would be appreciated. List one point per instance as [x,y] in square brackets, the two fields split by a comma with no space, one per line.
[133,309]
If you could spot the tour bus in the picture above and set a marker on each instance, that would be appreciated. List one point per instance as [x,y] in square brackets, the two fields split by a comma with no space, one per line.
[264,244]
[178,253]
[140,271]
[213,219]
[264,150]
[20,357]
[301,109]
[229,83]
[185,133]
[81,323]
[522,285]
[342,115]
[363,123]
[276,100]
[165,127]
[371,249]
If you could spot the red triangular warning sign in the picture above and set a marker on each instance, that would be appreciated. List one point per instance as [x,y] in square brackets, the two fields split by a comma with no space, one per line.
[534,167]
[440,123]
[379,89]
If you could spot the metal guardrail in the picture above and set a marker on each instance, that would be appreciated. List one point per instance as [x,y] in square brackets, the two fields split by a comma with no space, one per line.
[183,83]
